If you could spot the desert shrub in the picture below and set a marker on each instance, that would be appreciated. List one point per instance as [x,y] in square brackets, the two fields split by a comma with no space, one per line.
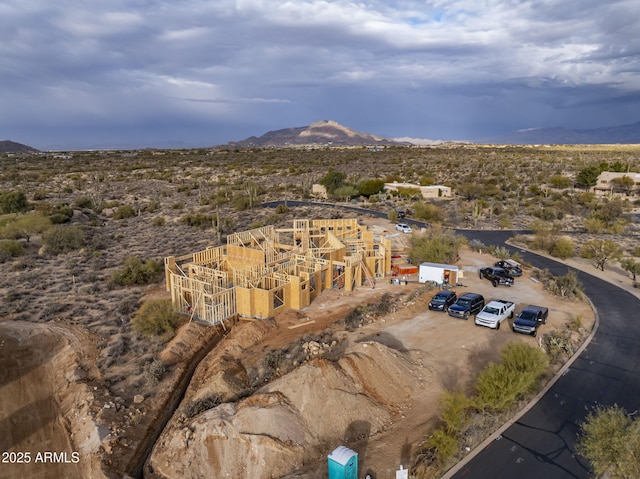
[428,212]
[593,225]
[62,239]
[354,318]
[136,272]
[443,444]
[124,212]
[558,346]
[385,305]
[61,214]
[454,414]
[281,209]
[499,252]
[499,385]
[610,439]
[159,221]
[154,371]
[563,248]
[524,359]
[156,317]
[13,202]
[26,226]
[241,202]
[200,405]
[83,202]
[567,286]
[10,249]
[575,324]
[198,220]
[274,361]
[477,245]
[560,181]
[437,247]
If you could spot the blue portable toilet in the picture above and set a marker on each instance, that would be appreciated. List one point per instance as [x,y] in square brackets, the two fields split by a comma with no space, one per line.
[343,463]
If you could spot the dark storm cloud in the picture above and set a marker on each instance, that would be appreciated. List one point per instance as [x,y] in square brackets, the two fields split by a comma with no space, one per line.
[221,71]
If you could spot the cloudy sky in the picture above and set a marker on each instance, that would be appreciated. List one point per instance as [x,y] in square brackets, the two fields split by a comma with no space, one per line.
[79,74]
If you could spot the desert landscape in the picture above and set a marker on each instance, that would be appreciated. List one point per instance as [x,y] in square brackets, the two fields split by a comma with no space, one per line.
[258,398]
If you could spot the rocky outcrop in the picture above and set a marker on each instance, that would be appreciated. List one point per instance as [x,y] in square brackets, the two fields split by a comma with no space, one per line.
[293,420]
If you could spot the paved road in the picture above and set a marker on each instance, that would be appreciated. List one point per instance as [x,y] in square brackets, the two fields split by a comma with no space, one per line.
[541,444]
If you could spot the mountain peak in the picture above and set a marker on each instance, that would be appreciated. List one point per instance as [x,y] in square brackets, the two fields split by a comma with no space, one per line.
[324,132]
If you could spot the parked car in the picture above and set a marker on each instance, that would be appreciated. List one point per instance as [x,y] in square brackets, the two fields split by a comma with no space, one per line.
[466,305]
[494,312]
[510,266]
[530,319]
[496,275]
[404,227]
[442,300]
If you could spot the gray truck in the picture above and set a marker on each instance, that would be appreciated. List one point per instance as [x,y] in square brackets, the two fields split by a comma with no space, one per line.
[529,319]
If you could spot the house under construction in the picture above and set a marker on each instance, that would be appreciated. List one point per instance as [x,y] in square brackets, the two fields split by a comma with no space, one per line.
[266,270]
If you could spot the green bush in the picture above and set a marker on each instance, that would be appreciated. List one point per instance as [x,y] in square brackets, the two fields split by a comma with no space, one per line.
[445,445]
[438,247]
[61,214]
[83,202]
[62,239]
[13,202]
[156,317]
[10,249]
[499,385]
[454,413]
[563,248]
[198,220]
[135,272]
[124,212]
[610,439]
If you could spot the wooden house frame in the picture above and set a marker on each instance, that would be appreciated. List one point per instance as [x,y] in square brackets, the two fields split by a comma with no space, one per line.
[262,271]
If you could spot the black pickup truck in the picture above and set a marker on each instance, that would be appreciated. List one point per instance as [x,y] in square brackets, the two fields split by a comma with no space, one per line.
[496,275]
[529,319]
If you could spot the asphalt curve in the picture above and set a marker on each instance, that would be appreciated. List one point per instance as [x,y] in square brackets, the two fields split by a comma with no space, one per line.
[541,443]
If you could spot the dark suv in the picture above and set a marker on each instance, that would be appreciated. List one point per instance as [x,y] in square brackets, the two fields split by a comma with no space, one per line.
[442,300]
[466,305]
[496,275]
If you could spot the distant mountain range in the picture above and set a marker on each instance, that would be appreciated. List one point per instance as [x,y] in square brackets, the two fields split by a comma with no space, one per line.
[324,132]
[7,146]
[332,133]
[623,134]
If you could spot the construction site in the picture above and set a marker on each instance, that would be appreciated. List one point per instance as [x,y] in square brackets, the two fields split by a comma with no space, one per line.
[263,271]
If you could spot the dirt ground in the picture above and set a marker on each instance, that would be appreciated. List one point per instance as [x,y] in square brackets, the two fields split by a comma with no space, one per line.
[375,390]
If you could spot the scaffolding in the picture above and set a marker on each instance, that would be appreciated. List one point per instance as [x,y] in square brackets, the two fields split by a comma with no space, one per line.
[264,270]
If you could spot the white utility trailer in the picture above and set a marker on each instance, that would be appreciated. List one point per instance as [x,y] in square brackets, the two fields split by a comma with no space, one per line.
[439,273]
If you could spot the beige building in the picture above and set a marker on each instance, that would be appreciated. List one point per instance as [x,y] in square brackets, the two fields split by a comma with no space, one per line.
[606,186]
[432,191]
[319,191]
[266,270]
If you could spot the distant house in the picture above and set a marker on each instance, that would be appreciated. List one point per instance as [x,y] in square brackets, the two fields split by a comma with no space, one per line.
[432,191]
[319,191]
[605,184]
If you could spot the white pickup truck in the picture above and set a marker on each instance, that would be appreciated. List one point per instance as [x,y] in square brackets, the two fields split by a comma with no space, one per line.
[494,313]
